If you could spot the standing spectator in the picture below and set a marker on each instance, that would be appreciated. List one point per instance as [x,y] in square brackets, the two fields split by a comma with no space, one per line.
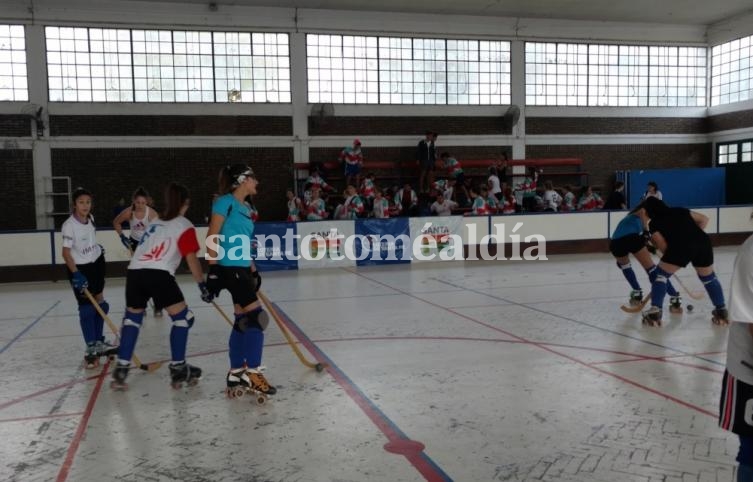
[381,208]
[568,199]
[528,189]
[652,190]
[500,165]
[442,206]
[508,202]
[367,190]
[353,159]
[295,206]
[316,181]
[455,170]
[426,157]
[616,200]
[493,182]
[352,207]
[316,209]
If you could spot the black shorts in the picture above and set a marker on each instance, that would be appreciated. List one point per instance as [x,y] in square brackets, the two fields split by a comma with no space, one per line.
[735,396]
[134,244]
[697,251]
[239,283]
[621,247]
[95,275]
[158,284]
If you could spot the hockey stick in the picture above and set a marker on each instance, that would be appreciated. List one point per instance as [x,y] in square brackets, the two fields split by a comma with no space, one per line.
[696,295]
[638,307]
[317,366]
[151,367]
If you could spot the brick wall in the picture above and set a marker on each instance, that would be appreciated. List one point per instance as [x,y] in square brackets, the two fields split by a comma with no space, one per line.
[17,188]
[600,161]
[112,174]
[12,125]
[415,125]
[170,125]
[732,120]
[616,125]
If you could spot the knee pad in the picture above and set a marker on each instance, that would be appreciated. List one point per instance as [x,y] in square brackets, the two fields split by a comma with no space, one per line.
[708,278]
[254,320]
[661,276]
[105,307]
[133,319]
[184,319]
[623,266]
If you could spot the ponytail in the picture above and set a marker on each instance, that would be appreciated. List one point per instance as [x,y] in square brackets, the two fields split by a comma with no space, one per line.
[176,196]
[231,177]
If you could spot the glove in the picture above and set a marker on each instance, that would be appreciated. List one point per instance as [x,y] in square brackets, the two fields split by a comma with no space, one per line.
[213,284]
[79,282]
[257,280]
[206,296]
[126,241]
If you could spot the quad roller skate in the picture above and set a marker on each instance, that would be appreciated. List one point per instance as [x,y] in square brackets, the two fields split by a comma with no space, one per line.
[91,356]
[242,381]
[636,297]
[119,376]
[720,316]
[675,304]
[184,373]
[652,316]
[106,349]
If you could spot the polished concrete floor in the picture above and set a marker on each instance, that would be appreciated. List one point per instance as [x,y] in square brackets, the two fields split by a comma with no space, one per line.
[473,371]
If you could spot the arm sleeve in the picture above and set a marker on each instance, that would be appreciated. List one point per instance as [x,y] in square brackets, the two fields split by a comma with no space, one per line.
[188,243]
[68,236]
[221,206]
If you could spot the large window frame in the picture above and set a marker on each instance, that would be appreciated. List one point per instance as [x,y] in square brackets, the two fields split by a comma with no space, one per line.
[732,71]
[734,152]
[14,86]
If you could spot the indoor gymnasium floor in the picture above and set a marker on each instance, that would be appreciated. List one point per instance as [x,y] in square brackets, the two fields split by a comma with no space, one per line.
[501,371]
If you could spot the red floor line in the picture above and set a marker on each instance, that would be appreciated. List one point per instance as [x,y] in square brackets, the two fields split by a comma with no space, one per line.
[548,349]
[73,447]
[40,417]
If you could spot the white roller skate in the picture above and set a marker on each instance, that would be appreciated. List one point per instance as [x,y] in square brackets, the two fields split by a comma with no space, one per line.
[243,380]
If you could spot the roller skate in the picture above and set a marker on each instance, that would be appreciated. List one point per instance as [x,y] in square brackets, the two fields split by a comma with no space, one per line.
[652,316]
[636,297]
[675,304]
[91,358]
[241,381]
[184,373]
[119,376]
[720,316]
[106,349]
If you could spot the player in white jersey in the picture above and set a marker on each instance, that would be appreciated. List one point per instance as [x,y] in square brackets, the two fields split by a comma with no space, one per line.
[736,405]
[151,274]
[138,215]
[85,263]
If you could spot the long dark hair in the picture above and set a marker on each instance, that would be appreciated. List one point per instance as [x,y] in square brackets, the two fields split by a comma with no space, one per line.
[77,193]
[231,176]
[176,196]
[653,206]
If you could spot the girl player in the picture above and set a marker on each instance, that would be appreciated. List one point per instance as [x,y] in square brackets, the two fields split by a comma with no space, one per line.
[85,263]
[151,274]
[628,239]
[678,233]
[231,219]
[138,215]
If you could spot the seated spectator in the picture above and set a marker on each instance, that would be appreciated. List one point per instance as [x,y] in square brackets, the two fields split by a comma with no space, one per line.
[407,201]
[568,200]
[316,209]
[479,206]
[589,200]
[508,202]
[616,200]
[491,201]
[652,191]
[352,207]
[528,189]
[295,206]
[381,209]
[552,199]
[442,206]
[455,171]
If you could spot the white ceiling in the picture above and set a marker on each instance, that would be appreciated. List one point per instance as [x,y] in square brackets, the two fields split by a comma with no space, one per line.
[687,12]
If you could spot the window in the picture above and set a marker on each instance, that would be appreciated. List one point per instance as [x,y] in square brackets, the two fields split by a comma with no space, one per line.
[13,84]
[251,67]
[89,65]
[746,151]
[393,70]
[732,71]
[614,75]
[109,65]
[342,69]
